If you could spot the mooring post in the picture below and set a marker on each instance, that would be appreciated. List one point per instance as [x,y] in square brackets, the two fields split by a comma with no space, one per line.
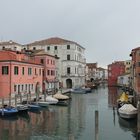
[138,120]
[27,98]
[45,96]
[96,125]
[15,100]
[2,106]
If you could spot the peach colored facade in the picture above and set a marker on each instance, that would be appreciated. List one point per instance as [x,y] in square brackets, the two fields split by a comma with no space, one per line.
[18,73]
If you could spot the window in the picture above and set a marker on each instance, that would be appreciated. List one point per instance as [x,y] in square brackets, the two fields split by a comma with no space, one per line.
[68,47]
[68,70]
[48,72]
[15,88]
[22,87]
[51,72]
[35,72]
[68,57]
[39,71]
[22,70]
[48,48]
[55,47]
[5,70]
[29,71]
[42,61]
[3,47]
[15,70]
[47,61]
[34,48]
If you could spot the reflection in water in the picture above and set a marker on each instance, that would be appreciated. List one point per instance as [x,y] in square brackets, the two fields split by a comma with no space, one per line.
[128,125]
[73,122]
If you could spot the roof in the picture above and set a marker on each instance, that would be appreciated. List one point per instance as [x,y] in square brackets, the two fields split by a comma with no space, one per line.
[53,41]
[92,65]
[40,52]
[10,42]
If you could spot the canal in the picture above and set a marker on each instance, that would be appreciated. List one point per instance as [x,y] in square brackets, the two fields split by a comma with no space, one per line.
[73,122]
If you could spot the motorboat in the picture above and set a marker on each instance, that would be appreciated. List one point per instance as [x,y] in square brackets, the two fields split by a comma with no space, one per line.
[60,96]
[128,111]
[62,99]
[22,108]
[8,111]
[51,100]
[42,103]
[79,90]
[34,107]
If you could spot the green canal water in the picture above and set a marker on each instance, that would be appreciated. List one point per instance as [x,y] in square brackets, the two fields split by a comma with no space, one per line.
[73,122]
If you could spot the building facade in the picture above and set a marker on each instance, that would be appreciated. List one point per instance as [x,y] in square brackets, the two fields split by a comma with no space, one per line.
[10,45]
[135,69]
[115,69]
[19,74]
[50,78]
[71,63]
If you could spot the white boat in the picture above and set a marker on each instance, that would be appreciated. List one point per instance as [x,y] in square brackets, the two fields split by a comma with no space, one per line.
[42,103]
[22,108]
[60,96]
[128,111]
[51,100]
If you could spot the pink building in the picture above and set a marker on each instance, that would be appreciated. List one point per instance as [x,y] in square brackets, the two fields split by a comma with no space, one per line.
[50,81]
[19,73]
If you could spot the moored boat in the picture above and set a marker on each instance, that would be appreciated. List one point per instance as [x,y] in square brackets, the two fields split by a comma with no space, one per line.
[8,111]
[22,108]
[127,111]
[51,100]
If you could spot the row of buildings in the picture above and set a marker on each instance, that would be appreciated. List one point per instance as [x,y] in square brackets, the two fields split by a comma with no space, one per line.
[126,73]
[43,65]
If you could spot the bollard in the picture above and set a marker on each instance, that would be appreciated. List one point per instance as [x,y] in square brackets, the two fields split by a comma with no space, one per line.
[96,125]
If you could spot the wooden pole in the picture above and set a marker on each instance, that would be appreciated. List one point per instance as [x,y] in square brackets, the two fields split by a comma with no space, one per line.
[15,100]
[96,125]
[27,98]
[10,100]
[45,96]
[2,106]
[138,121]
[20,98]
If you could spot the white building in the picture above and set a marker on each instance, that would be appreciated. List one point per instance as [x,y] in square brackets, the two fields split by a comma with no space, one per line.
[11,45]
[71,63]
[124,79]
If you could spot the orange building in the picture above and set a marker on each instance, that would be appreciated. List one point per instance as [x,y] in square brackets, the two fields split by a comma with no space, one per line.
[19,73]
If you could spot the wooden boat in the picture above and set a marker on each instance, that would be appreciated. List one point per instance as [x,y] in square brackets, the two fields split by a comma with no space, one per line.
[127,111]
[8,111]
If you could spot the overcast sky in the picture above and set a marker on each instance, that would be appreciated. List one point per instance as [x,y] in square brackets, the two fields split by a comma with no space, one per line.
[108,29]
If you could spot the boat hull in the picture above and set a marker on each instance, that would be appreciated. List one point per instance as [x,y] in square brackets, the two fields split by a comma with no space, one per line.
[127,116]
